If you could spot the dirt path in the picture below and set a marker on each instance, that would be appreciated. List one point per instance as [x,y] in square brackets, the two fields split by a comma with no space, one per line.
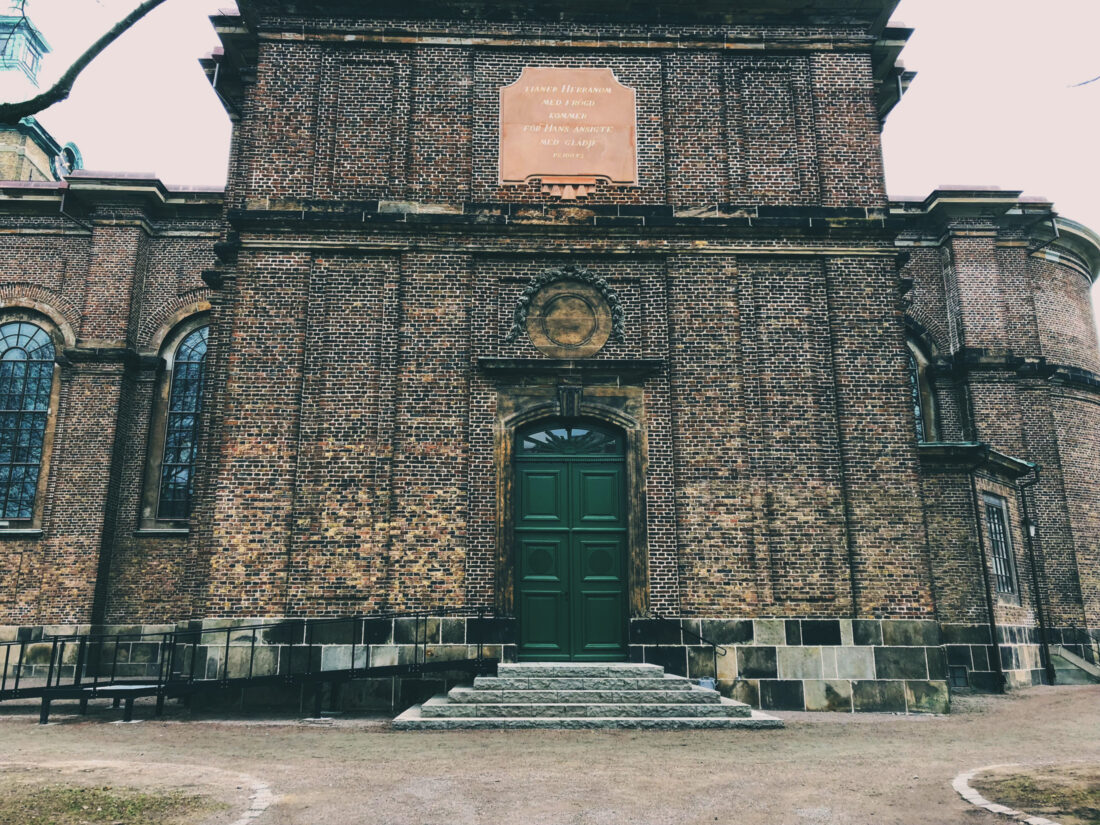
[824,769]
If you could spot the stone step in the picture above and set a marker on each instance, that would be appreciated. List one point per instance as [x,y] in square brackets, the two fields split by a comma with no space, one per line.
[595,670]
[412,719]
[440,707]
[669,682]
[691,695]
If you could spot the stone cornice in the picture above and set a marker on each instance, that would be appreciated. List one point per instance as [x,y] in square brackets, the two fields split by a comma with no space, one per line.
[975,360]
[969,456]
[637,367]
[871,14]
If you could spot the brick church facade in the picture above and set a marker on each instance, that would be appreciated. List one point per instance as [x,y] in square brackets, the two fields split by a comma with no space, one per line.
[854,441]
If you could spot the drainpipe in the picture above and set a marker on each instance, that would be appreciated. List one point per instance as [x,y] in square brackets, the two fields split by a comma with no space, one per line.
[1029,537]
[996,648]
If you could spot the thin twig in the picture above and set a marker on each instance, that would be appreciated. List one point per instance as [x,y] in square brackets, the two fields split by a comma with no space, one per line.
[13,112]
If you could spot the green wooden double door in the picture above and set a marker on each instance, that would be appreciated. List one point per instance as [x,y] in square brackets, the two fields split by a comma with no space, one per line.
[571,543]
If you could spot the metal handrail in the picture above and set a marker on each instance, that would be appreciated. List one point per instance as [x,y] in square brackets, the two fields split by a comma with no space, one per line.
[95,673]
[716,649]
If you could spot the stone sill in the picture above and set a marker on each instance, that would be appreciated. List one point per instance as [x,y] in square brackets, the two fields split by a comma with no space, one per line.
[610,366]
[20,533]
[162,532]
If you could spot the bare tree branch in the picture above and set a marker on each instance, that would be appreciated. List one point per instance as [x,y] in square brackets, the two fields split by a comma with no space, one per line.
[21,7]
[1085,83]
[13,112]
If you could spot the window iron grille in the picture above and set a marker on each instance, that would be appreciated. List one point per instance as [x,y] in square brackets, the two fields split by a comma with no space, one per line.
[1000,547]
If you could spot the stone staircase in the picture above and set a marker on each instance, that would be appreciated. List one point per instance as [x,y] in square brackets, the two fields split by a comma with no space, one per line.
[1071,669]
[575,696]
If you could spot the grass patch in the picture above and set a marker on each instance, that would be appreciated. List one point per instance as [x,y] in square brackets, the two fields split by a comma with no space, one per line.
[75,805]
[1067,794]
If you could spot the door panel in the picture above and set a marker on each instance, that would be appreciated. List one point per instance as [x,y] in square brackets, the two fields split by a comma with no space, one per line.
[545,629]
[597,495]
[542,496]
[599,626]
[571,551]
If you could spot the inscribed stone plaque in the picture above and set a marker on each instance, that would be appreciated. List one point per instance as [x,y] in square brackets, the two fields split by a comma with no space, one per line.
[568,127]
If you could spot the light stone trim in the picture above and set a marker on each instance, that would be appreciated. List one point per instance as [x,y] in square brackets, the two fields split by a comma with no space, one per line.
[961,784]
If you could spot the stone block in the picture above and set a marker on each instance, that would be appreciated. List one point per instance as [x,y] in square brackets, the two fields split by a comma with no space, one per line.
[264,661]
[867,631]
[289,632]
[781,694]
[336,657]
[927,697]
[653,632]
[847,636]
[855,663]
[769,631]
[799,663]
[727,665]
[979,654]
[728,631]
[335,633]
[959,656]
[378,631]
[384,655]
[38,654]
[821,632]
[828,695]
[416,631]
[672,658]
[878,697]
[907,633]
[937,663]
[757,663]
[900,663]
[144,652]
[792,632]
[452,631]
[701,664]
[496,630]
[983,680]
[828,662]
[449,652]
[965,634]
[742,690]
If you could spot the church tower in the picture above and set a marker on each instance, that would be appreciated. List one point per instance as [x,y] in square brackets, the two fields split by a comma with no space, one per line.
[27,150]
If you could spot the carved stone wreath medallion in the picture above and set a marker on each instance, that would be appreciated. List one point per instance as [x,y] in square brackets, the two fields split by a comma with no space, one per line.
[568,313]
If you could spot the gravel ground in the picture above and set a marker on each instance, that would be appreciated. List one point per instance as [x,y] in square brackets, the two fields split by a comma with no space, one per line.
[823,769]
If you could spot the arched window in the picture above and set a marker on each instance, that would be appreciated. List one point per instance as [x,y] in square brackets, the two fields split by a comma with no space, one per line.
[26,385]
[174,431]
[922,396]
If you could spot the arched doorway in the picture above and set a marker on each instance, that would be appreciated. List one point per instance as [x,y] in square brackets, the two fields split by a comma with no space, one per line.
[571,541]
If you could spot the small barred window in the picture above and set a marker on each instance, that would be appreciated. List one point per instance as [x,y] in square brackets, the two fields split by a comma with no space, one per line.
[1000,546]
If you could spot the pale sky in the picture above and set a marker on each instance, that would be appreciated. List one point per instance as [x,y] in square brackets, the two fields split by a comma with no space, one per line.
[992,105]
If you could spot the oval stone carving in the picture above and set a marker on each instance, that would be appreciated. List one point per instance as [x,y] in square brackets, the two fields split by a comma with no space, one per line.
[569,319]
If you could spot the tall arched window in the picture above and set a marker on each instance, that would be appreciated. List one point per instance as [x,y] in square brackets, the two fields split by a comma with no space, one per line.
[181,437]
[26,384]
[923,399]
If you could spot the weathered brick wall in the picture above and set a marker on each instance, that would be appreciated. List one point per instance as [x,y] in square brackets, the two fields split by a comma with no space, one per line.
[360,119]
[1003,321]
[1063,309]
[105,286]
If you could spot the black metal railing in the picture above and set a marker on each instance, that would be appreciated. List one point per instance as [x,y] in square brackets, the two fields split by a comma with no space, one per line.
[289,652]
[716,649]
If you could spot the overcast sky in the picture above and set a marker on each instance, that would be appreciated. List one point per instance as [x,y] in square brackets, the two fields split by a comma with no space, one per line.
[993,104]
